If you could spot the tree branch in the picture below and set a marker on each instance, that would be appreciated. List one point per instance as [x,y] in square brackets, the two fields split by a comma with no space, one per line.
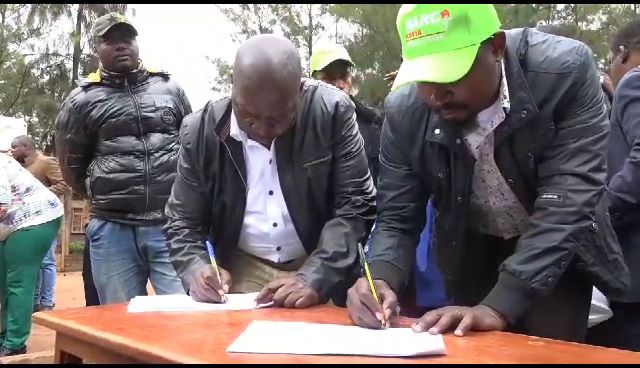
[24,78]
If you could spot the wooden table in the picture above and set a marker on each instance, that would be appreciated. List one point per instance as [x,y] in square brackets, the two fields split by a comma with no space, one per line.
[108,334]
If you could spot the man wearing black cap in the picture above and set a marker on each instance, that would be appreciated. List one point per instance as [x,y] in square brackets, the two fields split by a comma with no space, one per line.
[117,143]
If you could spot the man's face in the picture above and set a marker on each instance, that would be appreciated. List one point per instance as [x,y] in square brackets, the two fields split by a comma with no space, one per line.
[345,84]
[338,74]
[118,49]
[265,113]
[461,101]
[19,151]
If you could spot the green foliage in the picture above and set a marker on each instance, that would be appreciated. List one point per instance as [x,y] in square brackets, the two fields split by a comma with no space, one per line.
[76,247]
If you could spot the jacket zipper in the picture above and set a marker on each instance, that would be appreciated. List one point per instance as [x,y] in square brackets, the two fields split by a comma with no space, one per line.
[246,187]
[146,151]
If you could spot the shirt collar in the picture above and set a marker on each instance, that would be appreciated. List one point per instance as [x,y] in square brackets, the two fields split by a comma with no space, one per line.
[500,107]
[504,90]
[234,130]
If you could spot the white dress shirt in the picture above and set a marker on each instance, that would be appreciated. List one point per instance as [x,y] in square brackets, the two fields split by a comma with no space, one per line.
[267,230]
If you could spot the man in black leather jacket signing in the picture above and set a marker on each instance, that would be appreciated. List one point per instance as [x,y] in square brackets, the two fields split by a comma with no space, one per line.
[506,133]
[276,178]
[117,143]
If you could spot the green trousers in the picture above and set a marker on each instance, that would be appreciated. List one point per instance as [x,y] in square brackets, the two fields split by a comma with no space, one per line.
[21,255]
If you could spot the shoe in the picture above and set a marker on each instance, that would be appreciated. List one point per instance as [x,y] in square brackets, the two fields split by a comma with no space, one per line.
[36,308]
[8,352]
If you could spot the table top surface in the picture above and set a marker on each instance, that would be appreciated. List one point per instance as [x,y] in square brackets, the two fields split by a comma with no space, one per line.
[203,337]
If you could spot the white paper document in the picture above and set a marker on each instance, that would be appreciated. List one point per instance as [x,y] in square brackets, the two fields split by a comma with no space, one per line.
[266,337]
[184,303]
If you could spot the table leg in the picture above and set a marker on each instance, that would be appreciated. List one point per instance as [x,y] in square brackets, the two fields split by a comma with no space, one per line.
[62,356]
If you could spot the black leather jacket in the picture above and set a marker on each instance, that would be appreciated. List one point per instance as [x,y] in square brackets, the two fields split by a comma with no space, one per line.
[551,151]
[370,124]
[323,175]
[117,143]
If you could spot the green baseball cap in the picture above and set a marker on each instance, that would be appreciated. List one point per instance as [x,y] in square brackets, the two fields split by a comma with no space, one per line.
[103,24]
[325,55]
[440,41]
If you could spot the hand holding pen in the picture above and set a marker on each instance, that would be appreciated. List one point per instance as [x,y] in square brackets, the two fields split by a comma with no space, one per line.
[371,303]
[211,282]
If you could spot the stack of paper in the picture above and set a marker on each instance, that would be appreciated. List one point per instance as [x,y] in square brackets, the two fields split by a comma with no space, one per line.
[267,337]
[184,303]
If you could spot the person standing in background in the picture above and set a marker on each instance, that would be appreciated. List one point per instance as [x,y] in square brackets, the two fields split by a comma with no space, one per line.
[47,170]
[117,142]
[622,330]
[30,216]
[332,64]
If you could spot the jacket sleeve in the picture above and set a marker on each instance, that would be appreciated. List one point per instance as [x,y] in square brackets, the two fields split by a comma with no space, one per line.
[73,147]
[623,190]
[354,207]
[571,175]
[402,199]
[185,105]
[54,177]
[187,209]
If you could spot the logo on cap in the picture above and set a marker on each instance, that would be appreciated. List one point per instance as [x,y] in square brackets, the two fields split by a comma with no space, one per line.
[438,20]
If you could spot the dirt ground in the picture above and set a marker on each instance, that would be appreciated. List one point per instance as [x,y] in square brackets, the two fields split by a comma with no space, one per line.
[69,294]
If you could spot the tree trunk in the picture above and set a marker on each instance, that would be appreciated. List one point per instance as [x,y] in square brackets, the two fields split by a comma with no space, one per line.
[310,35]
[77,38]
[3,19]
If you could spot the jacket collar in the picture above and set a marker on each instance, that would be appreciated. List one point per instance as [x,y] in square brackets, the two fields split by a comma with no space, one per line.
[116,80]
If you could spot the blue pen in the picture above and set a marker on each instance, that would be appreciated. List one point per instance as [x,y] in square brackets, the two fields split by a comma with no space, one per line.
[212,258]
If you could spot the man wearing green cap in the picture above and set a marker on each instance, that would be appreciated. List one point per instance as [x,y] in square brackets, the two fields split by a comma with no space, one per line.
[332,64]
[506,132]
[117,143]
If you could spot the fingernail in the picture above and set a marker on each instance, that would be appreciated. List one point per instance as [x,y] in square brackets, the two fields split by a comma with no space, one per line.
[434,331]
[379,317]
[416,328]
[458,333]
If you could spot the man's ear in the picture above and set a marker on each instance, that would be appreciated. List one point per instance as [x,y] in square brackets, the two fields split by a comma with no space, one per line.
[624,54]
[498,45]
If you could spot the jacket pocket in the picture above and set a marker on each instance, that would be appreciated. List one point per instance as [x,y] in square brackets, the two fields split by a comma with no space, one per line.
[318,166]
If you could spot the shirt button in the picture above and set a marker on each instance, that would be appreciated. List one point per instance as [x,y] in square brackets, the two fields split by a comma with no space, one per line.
[436,131]
[275,224]
[459,198]
[458,141]
[278,249]
[523,114]
[271,192]
[510,181]
[270,161]
[594,226]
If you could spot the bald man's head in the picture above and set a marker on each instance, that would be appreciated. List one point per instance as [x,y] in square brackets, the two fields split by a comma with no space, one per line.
[266,82]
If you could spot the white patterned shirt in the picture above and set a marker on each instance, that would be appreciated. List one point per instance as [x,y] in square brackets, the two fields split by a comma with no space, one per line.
[494,207]
[27,201]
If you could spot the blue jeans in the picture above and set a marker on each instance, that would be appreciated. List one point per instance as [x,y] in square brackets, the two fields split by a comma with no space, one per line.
[46,283]
[124,257]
